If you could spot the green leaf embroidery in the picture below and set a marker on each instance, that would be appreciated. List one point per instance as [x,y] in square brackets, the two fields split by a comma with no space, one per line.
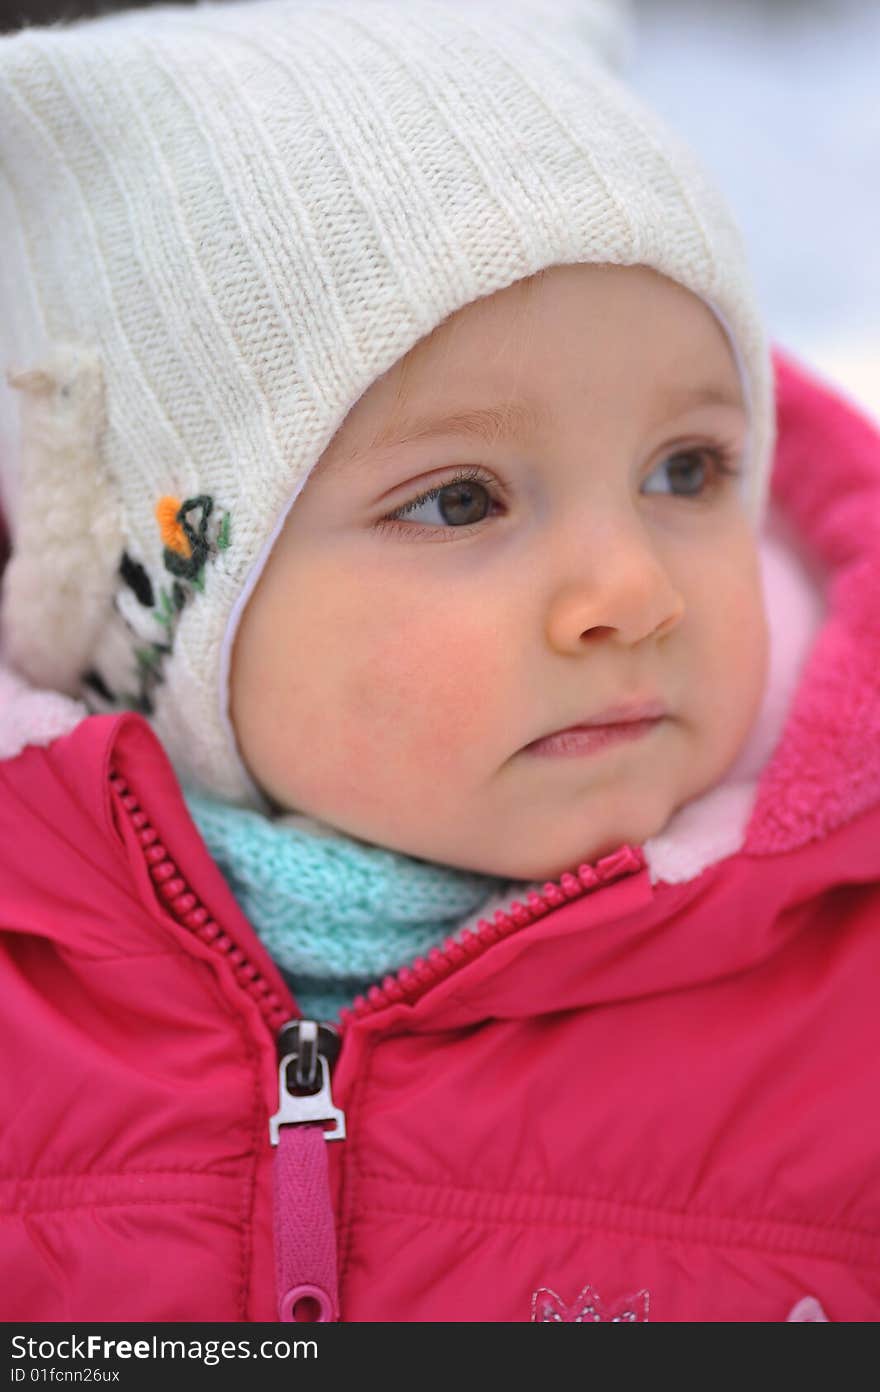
[148,657]
[167,614]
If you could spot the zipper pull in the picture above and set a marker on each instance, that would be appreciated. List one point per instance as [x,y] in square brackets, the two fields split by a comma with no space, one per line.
[306,1277]
[307,1050]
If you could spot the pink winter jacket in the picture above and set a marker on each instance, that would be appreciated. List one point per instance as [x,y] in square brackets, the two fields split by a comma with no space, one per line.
[648,1092]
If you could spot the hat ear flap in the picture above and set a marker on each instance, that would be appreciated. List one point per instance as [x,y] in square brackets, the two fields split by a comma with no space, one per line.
[66,535]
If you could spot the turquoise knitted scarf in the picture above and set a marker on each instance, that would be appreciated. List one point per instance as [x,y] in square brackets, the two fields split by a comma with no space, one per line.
[335,914]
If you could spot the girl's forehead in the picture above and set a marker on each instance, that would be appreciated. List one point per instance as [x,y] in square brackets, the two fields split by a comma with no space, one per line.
[542,323]
[505,365]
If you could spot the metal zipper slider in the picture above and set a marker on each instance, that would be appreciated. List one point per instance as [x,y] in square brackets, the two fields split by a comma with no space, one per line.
[307,1050]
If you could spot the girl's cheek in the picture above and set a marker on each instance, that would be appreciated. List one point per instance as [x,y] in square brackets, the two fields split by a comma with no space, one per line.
[740,640]
[425,682]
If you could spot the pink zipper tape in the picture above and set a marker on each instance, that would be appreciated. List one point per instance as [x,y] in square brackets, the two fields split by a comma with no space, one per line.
[305,1233]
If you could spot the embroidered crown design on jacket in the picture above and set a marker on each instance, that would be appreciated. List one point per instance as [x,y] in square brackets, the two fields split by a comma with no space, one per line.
[588,1308]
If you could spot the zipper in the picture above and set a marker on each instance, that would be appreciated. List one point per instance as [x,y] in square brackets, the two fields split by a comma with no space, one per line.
[308,1100]
[304,1229]
[409,983]
[306,1279]
[190,913]
[307,1051]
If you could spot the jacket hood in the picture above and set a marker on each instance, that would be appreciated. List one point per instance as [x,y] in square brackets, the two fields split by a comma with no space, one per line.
[812,762]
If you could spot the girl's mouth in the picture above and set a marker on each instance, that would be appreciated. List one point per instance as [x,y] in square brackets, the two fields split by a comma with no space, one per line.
[591,739]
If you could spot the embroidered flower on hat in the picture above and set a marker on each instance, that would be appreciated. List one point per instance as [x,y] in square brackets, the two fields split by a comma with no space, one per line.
[187,548]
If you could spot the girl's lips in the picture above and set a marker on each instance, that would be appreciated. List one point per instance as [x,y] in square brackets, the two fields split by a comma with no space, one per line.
[591,739]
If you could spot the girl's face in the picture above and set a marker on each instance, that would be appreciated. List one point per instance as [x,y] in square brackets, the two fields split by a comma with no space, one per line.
[390,672]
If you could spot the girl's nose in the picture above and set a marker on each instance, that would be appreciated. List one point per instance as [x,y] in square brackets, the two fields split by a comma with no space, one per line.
[625,595]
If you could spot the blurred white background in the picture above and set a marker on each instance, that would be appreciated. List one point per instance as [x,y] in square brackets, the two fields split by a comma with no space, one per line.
[781,99]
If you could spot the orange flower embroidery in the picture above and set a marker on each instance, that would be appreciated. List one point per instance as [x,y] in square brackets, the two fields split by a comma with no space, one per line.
[173,535]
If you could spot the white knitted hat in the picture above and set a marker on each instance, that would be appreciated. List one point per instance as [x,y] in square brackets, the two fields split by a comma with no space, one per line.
[219,225]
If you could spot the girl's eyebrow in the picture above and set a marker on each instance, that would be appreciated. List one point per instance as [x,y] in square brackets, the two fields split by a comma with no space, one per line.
[709,394]
[491,424]
[486,423]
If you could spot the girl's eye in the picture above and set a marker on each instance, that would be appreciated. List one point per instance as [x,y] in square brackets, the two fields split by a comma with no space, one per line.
[695,472]
[461,502]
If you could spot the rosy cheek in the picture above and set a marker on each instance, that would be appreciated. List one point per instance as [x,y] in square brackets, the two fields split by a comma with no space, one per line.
[426,688]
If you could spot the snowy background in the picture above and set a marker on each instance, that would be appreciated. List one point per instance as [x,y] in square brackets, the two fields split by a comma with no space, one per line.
[781,99]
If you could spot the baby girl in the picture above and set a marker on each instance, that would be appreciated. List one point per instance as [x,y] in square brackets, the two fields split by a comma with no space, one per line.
[441,792]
